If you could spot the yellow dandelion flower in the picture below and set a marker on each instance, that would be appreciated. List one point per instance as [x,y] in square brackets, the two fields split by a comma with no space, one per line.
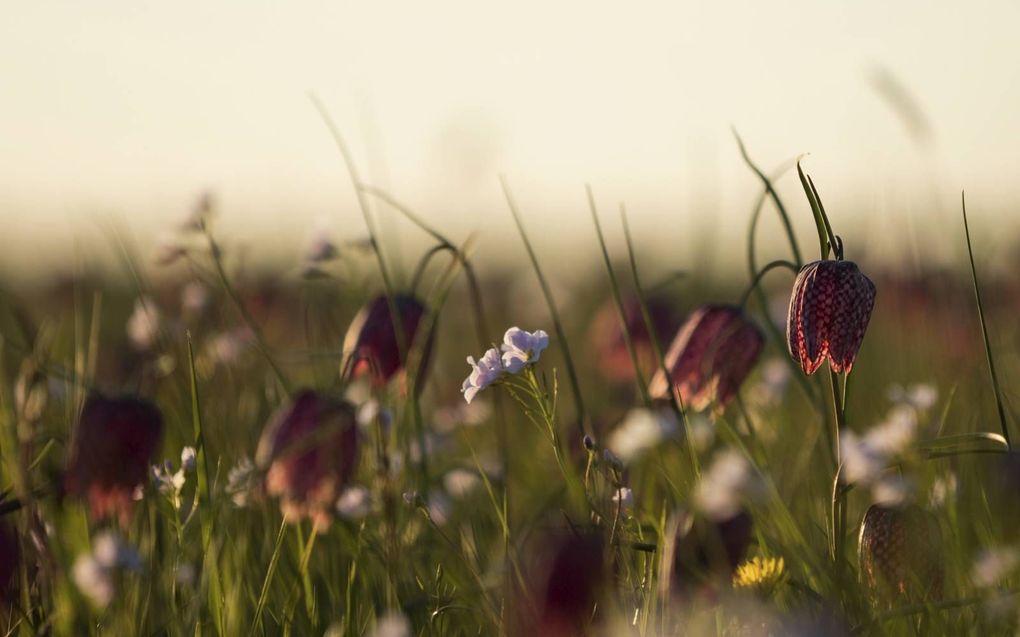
[760,574]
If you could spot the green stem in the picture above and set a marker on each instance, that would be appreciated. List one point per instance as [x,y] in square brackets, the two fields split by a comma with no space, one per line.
[779,263]
[575,384]
[838,503]
[621,311]
[984,329]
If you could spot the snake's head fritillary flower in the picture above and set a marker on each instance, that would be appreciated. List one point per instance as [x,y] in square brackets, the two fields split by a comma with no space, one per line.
[113,447]
[608,337]
[569,577]
[10,559]
[710,357]
[829,313]
[309,450]
[373,346]
[522,348]
[901,554]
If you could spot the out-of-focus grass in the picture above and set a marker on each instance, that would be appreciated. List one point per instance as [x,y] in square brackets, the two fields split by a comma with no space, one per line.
[467,560]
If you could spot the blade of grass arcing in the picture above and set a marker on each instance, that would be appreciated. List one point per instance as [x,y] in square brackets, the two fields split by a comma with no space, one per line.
[674,395]
[784,217]
[235,298]
[260,607]
[575,384]
[756,281]
[778,338]
[205,505]
[621,311]
[984,328]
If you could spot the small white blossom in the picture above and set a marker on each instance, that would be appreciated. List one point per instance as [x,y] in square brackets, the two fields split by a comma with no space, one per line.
[892,490]
[227,347]
[461,482]
[439,507]
[242,483]
[94,573]
[728,481]
[167,481]
[93,580]
[392,625]
[864,458]
[623,500]
[641,431]
[522,348]
[143,324]
[994,565]
[354,503]
[194,297]
[188,458]
[942,489]
[484,372]
[921,396]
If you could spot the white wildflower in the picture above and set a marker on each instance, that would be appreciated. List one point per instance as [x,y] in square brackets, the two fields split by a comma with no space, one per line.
[242,483]
[864,458]
[921,396]
[522,348]
[623,500]
[188,459]
[354,503]
[641,431]
[439,507]
[484,372]
[461,482]
[227,347]
[93,580]
[166,480]
[143,324]
[95,573]
[319,247]
[392,625]
[994,565]
[194,297]
[722,489]
[892,490]
[942,489]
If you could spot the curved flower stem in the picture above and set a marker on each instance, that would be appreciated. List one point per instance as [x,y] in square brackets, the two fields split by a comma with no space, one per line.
[779,263]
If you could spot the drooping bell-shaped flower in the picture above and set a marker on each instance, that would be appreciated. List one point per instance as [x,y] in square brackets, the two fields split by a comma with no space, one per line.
[829,313]
[372,344]
[711,355]
[901,554]
[608,337]
[114,444]
[309,450]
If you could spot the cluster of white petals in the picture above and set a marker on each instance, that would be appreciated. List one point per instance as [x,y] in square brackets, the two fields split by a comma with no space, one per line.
[519,349]
[729,481]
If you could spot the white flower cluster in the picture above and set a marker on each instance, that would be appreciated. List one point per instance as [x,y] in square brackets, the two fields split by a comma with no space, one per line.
[95,573]
[641,431]
[520,349]
[729,481]
[866,458]
[168,481]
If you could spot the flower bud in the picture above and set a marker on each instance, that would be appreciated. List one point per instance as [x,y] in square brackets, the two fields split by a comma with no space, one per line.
[372,345]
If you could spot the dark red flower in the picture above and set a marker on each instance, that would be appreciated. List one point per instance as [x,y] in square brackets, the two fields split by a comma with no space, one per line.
[701,554]
[711,355]
[113,447]
[372,345]
[309,450]
[569,577]
[607,337]
[901,553]
[10,558]
[829,313]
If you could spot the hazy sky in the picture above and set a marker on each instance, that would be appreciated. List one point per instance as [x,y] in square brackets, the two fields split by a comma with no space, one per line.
[131,108]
